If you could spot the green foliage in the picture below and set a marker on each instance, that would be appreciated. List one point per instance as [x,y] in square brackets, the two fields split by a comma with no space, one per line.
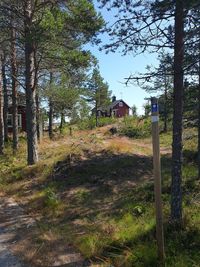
[138,210]
[87,124]
[83,195]
[147,109]
[98,90]
[90,123]
[53,21]
[85,18]
[91,244]
[135,128]
[106,121]
[64,30]
[51,198]
[134,110]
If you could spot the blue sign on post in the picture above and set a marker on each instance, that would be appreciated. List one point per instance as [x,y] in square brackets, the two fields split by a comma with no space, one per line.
[154,108]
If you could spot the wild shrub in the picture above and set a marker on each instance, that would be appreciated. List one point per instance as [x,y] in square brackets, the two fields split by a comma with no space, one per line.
[51,199]
[87,124]
[90,123]
[135,128]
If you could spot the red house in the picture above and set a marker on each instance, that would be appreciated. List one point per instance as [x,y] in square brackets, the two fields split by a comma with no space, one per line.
[21,118]
[118,108]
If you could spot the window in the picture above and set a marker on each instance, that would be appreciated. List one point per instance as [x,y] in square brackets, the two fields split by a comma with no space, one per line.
[10,120]
[20,120]
[120,104]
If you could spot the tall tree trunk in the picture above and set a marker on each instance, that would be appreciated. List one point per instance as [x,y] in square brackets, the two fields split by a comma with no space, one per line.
[96,114]
[5,94]
[176,191]
[31,127]
[38,118]
[165,107]
[1,112]
[50,118]
[62,121]
[14,90]
[199,115]
[51,110]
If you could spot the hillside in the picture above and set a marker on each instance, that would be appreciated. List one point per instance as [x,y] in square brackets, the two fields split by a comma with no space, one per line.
[91,198]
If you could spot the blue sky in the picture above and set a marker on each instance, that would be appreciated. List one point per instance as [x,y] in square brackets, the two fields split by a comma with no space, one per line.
[114,68]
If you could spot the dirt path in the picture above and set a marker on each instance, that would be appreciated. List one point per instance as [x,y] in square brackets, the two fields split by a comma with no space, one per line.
[8,226]
[7,259]
[14,220]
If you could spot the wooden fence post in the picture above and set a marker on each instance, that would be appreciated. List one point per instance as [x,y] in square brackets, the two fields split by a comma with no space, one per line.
[157,178]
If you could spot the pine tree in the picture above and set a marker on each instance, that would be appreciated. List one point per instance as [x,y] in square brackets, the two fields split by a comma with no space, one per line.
[40,27]
[98,92]
[146,25]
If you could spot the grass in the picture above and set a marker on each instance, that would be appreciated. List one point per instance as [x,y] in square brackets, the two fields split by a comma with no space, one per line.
[135,128]
[96,192]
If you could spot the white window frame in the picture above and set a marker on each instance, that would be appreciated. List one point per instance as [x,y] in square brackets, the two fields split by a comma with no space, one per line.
[10,116]
[121,104]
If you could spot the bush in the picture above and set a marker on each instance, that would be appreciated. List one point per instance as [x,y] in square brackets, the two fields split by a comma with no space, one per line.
[106,121]
[87,124]
[135,128]
[90,123]
[51,199]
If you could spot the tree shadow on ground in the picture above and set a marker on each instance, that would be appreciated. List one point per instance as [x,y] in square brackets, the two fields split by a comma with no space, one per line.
[100,186]
[98,183]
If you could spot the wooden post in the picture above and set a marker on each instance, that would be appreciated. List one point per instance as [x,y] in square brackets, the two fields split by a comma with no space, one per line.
[157,178]
[70,131]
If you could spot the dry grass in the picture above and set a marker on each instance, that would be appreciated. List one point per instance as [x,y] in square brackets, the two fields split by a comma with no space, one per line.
[90,193]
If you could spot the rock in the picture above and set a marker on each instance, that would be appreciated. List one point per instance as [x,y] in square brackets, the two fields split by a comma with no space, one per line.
[113,130]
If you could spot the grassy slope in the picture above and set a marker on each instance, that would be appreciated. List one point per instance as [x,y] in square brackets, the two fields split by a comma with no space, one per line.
[95,193]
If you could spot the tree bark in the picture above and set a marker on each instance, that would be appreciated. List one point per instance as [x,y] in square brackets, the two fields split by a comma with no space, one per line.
[14,90]
[50,110]
[30,80]
[50,119]
[165,108]
[5,94]
[38,118]
[199,117]
[96,114]
[62,121]
[176,191]
[1,113]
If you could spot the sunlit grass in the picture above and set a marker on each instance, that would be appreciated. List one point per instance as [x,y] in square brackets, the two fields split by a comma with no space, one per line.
[102,201]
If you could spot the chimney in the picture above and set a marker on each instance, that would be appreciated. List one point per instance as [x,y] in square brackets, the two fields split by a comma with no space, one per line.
[113,98]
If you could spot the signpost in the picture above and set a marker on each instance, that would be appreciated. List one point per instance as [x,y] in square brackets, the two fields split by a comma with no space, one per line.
[157,178]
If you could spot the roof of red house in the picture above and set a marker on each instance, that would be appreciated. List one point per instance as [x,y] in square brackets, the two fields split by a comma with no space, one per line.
[113,104]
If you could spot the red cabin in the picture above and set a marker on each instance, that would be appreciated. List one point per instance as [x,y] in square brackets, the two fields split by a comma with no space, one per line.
[21,118]
[118,108]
